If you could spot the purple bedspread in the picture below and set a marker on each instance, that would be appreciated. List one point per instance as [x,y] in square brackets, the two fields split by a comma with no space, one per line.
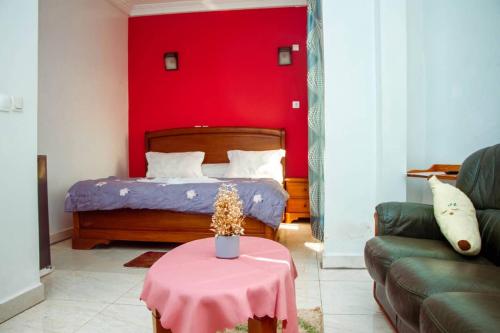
[263,199]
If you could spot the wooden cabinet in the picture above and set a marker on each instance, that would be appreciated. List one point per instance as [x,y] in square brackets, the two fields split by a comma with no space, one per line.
[298,203]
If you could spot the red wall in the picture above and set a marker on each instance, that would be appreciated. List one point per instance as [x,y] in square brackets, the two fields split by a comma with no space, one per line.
[228,76]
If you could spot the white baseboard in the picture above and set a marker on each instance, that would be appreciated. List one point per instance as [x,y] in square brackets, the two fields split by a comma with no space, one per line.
[61,235]
[342,260]
[21,302]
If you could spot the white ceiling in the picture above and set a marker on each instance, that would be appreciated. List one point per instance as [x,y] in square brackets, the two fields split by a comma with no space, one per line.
[154,7]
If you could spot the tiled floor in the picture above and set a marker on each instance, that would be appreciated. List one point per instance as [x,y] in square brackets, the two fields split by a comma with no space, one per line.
[90,291]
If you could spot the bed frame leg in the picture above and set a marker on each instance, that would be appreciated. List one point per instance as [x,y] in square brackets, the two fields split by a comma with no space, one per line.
[270,233]
[87,244]
[83,243]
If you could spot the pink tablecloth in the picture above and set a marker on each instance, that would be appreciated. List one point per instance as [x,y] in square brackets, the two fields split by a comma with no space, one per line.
[195,292]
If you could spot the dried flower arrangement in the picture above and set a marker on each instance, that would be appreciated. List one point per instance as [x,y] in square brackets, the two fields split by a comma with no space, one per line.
[228,218]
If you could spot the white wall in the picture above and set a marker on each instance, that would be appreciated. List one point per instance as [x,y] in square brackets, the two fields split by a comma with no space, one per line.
[454,82]
[391,86]
[416,115]
[365,115]
[408,84]
[83,96]
[350,122]
[19,274]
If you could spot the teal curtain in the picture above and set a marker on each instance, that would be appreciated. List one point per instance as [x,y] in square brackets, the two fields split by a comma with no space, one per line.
[315,87]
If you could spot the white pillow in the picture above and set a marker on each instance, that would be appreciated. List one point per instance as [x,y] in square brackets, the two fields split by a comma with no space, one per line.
[255,164]
[456,217]
[214,170]
[175,165]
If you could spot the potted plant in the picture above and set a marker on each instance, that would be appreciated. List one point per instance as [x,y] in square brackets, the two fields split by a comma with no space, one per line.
[227,222]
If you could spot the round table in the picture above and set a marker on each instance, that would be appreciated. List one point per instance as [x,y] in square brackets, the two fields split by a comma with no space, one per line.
[190,290]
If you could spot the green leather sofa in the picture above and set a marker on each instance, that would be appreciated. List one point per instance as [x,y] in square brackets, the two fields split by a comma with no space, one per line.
[420,282]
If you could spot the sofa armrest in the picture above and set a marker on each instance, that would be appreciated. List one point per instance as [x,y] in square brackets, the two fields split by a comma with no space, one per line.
[406,219]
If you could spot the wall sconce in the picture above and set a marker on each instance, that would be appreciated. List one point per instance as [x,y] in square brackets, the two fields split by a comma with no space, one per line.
[171,60]
[284,56]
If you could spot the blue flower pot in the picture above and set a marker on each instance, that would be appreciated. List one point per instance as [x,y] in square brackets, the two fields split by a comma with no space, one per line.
[227,247]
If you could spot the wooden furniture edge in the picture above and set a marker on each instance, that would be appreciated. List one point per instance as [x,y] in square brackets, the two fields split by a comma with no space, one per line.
[88,231]
[79,243]
[296,179]
[157,328]
[292,216]
[423,173]
[235,130]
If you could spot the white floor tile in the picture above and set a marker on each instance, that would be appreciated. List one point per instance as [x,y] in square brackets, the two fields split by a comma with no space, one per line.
[344,275]
[118,318]
[346,297]
[109,259]
[93,261]
[88,286]
[303,254]
[307,270]
[131,297]
[356,324]
[54,316]
[91,291]
[308,295]
[65,244]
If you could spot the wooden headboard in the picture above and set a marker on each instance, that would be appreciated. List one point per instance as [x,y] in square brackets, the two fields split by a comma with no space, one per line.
[215,141]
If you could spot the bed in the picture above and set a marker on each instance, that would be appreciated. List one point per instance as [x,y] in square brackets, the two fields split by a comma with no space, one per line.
[94,227]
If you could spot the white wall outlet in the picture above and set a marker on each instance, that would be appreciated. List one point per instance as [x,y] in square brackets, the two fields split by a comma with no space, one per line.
[295,47]
[296,105]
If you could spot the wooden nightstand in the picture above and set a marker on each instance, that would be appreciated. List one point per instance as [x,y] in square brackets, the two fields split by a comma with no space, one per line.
[298,203]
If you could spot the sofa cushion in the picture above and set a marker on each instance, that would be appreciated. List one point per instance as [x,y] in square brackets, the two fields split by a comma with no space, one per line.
[408,219]
[460,312]
[411,280]
[382,251]
[489,226]
[479,178]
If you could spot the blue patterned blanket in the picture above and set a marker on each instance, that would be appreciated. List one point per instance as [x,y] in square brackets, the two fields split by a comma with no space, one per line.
[263,199]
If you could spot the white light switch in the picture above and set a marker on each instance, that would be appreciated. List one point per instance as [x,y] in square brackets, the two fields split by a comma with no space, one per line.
[5,103]
[295,105]
[295,47]
[17,103]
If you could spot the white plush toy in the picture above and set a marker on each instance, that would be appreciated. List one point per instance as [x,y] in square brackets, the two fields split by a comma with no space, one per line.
[456,217]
